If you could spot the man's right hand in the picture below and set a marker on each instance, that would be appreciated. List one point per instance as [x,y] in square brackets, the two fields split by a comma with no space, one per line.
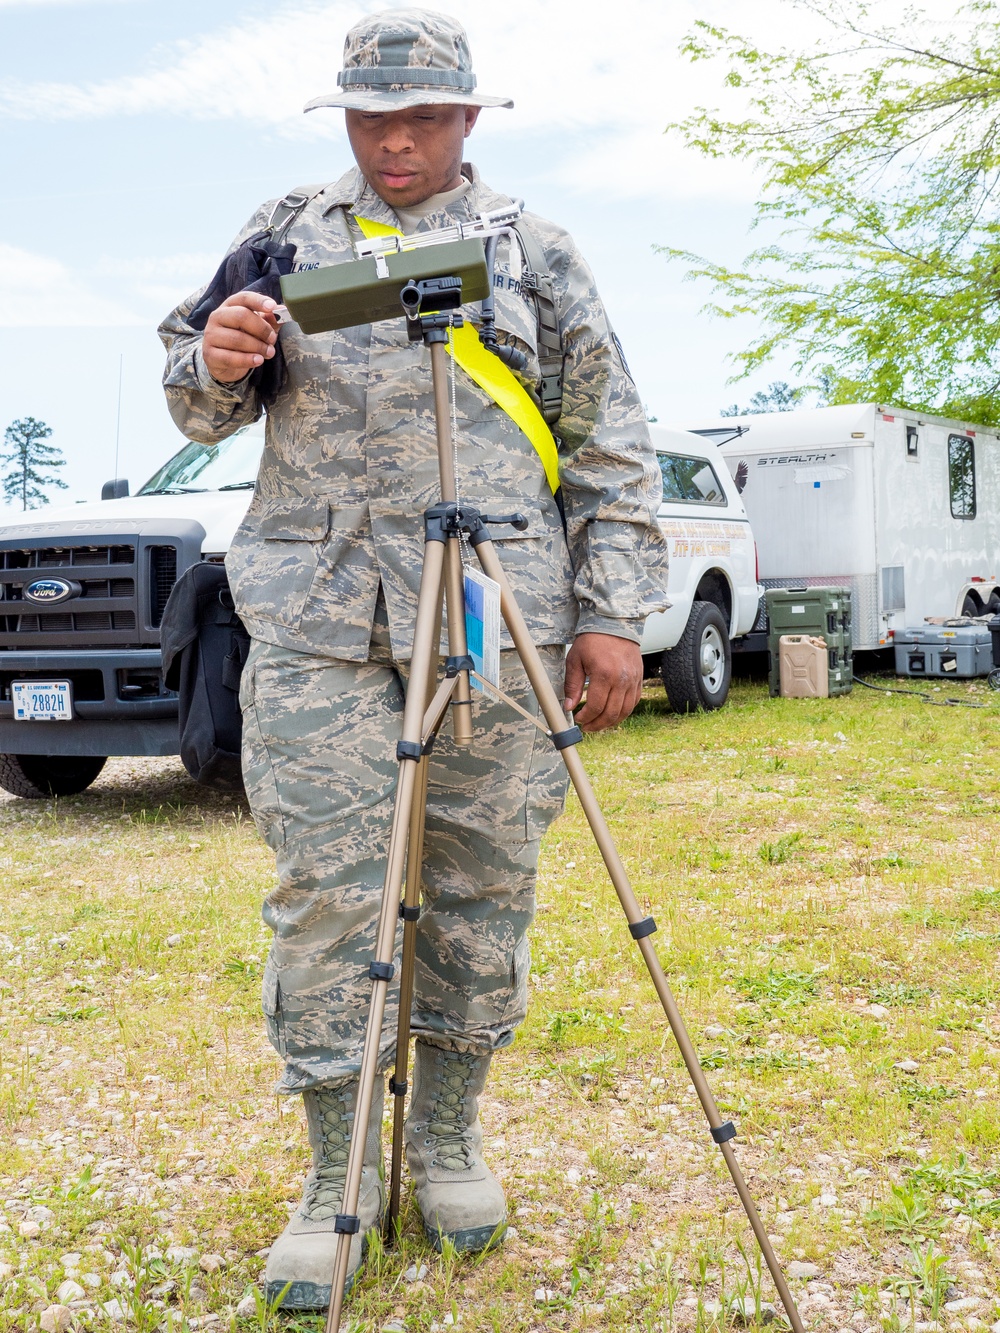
[239,336]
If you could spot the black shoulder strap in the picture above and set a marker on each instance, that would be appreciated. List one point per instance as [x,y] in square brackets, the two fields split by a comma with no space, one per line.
[538,281]
[286,210]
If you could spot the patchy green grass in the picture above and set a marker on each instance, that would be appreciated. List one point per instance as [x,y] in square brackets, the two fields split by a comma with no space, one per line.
[824,874]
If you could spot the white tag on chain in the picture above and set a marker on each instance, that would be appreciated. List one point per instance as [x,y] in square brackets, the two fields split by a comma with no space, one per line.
[482,624]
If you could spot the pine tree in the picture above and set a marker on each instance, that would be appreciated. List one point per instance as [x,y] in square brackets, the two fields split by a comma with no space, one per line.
[778,397]
[27,461]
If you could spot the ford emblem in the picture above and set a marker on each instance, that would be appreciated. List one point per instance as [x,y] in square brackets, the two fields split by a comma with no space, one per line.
[50,592]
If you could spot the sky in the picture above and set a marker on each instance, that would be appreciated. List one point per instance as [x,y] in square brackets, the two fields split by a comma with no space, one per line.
[136,137]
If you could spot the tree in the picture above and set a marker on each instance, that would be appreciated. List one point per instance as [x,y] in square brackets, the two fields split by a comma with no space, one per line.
[879,154]
[27,460]
[779,397]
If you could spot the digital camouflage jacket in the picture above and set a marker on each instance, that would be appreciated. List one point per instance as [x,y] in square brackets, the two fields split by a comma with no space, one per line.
[350,458]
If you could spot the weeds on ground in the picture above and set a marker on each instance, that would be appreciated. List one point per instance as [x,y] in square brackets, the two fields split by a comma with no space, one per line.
[823,874]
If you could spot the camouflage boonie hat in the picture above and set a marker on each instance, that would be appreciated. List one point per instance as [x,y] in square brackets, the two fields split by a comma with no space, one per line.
[403,58]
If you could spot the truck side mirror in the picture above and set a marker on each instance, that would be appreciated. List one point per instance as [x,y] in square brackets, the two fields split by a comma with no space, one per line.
[115,490]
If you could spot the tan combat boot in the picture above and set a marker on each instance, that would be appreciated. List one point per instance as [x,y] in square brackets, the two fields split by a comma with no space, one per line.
[458,1195]
[304,1253]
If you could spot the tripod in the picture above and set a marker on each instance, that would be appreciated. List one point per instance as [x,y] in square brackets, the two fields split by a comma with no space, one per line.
[427,703]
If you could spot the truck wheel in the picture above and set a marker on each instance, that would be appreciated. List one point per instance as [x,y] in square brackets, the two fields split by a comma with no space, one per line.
[696,673]
[39,776]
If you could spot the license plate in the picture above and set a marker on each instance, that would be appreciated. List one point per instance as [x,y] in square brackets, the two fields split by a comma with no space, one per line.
[41,700]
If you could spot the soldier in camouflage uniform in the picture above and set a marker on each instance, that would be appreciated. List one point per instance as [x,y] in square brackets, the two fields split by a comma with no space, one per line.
[325,570]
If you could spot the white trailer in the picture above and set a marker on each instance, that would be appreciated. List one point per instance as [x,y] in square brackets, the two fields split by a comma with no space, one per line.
[901,507]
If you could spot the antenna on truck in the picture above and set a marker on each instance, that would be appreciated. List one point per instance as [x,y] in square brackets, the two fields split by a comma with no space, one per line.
[730,432]
[118,415]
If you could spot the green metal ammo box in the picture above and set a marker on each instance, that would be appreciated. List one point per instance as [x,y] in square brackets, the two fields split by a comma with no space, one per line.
[340,296]
[820,612]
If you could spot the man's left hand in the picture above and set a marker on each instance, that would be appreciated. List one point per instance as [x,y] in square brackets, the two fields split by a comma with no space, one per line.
[613,668]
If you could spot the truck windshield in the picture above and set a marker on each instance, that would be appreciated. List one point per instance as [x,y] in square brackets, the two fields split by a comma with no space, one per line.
[228,466]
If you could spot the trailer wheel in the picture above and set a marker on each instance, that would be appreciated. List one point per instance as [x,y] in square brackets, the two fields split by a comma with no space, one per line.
[696,673]
[39,776]
[972,606]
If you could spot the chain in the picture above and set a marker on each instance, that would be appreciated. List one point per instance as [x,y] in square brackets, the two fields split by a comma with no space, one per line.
[463,541]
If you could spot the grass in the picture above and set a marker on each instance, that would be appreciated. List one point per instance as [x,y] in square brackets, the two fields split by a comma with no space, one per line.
[824,875]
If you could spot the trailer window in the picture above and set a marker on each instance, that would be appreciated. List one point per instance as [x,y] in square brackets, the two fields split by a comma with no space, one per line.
[962,476]
[690,480]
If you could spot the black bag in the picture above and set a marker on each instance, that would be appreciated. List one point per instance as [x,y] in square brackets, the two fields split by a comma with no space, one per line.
[258,265]
[204,647]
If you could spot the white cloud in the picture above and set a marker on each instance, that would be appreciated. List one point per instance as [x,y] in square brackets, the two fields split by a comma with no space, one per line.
[43,292]
[47,4]
[263,70]
[642,162]
[40,291]
[566,67]
[157,283]
[181,268]
[255,71]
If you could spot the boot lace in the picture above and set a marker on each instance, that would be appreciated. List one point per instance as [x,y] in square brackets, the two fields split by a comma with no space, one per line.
[449,1124]
[324,1192]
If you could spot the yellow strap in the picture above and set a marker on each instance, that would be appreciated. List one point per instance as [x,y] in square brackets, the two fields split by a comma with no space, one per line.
[493,377]
[372,229]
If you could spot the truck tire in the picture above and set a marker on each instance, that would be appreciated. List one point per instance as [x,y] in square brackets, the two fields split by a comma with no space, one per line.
[696,673]
[39,776]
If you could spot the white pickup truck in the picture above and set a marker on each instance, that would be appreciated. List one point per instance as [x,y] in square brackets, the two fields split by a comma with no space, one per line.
[712,583]
[83,587]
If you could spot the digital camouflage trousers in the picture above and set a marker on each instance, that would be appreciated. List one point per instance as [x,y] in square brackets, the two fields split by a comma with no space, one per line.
[319,739]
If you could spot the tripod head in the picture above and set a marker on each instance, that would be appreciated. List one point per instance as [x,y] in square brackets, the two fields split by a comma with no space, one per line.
[428,303]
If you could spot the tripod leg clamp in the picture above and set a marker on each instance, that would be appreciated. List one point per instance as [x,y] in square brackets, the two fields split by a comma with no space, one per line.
[381,971]
[409,750]
[724,1132]
[398,1086]
[409,913]
[346,1224]
[640,929]
[453,665]
[562,740]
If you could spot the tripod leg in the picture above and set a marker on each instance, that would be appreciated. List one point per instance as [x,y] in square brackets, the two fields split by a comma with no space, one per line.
[454,583]
[408,751]
[410,911]
[640,927]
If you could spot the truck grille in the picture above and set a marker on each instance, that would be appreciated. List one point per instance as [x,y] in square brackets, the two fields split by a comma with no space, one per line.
[78,623]
[162,577]
[124,586]
[50,558]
